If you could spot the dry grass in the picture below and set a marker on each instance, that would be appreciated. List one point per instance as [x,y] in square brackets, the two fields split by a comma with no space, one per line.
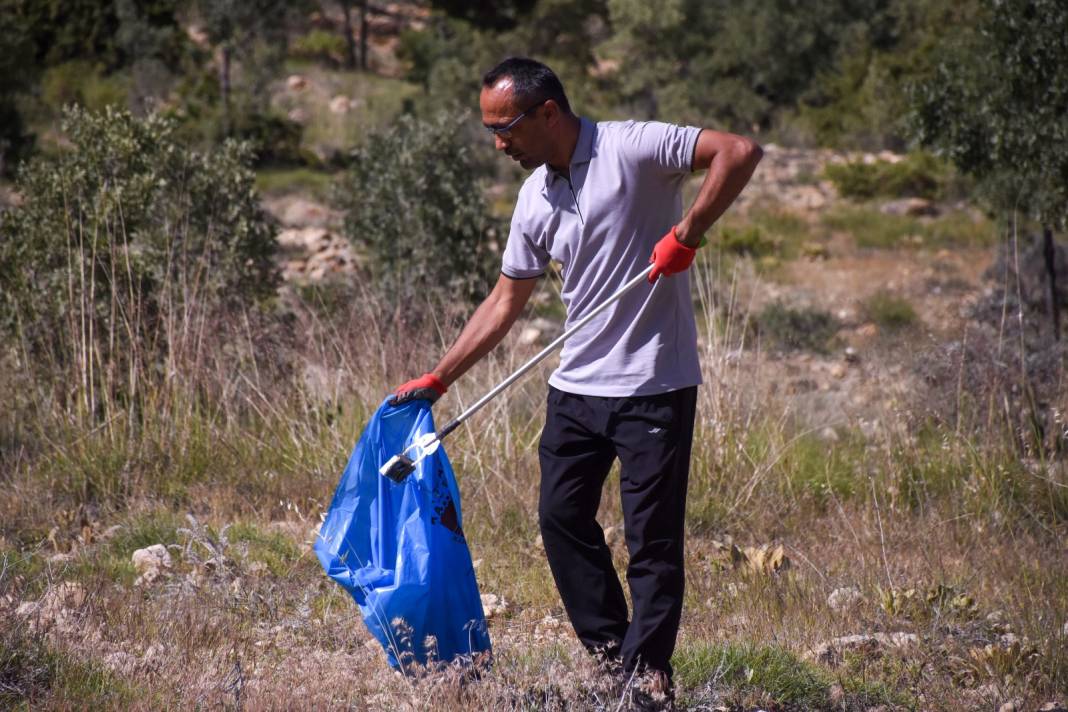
[948,537]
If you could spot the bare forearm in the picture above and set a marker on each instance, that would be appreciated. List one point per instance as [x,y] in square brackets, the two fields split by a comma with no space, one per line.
[728,173]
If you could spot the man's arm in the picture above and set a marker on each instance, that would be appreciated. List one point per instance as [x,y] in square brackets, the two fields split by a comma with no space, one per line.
[730,160]
[486,327]
[484,330]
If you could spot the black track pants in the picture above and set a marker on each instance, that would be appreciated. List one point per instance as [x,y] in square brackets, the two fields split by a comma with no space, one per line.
[652,437]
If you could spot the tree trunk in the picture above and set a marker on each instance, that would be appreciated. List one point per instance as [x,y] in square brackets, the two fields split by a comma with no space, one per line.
[350,41]
[224,86]
[363,35]
[1049,251]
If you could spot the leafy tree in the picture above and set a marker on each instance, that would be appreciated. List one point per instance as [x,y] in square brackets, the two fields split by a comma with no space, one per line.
[496,16]
[154,47]
[997,106]
[861,99]
[252,32]
[413,202]
[121,236]
[739,62]
[17,74]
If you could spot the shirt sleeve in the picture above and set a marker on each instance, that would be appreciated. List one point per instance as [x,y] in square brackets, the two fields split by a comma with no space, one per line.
[667,147]
[523,256]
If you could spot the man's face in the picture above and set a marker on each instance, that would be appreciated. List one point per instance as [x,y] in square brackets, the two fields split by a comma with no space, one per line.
[528,141]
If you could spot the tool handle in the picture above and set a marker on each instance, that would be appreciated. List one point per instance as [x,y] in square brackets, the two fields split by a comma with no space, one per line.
[455,422]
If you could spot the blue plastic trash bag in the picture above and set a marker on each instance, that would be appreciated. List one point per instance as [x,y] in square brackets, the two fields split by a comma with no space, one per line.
[400,550]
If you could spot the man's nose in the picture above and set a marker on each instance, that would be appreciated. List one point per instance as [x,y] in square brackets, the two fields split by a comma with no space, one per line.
[500,143]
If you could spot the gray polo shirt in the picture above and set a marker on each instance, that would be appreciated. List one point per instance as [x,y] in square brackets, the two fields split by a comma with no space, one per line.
[624,194]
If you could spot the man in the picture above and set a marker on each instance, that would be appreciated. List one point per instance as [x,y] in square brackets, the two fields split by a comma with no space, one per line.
[601,199]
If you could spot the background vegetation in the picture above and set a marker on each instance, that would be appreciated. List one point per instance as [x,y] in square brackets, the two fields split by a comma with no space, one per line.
[881,446]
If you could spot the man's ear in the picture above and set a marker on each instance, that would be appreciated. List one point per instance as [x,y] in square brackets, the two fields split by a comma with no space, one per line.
[552,112]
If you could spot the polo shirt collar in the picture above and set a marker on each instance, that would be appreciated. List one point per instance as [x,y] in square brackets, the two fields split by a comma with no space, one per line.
[583,149]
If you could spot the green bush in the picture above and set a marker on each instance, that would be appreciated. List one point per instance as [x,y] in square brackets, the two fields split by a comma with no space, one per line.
[919,175]
[788,329]
[749,240]
[320,45]
[119,239]
[890,311]
[79,82]
[274,140]
[413,200]
[871,228]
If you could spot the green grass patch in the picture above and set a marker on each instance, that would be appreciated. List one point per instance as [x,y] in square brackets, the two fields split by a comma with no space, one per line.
[959,228]
[277,551]
[36,676]
[112,559]
[767,235]
[744,667]
[179,451]
[816,471]
[751,674]
[307,181]
[889,311]
[378,100]
[918,175]
[871,228]
[786,328]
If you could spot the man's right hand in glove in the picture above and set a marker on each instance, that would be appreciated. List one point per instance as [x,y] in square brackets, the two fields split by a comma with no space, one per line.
[426,387]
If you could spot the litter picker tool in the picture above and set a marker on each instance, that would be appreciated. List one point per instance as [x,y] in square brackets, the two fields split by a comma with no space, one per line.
[400,466]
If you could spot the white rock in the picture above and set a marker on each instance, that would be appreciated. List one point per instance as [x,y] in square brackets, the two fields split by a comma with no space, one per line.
[493,605]
[295,82]
[27,608]
[842,599]
[340,104]
[121,662]
[152,557]
[829,435]
[110,532]
[529,336]
[909,206]
[68,594]
[831,651]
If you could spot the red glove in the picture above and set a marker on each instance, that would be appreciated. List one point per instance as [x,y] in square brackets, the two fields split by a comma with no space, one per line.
[670,257]
[426,387]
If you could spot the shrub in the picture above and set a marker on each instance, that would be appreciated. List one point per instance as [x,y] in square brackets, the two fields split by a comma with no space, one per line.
[766,232]
[320,45]
[796,329]
[274,140]
[119,239]
[749,240]
[79,82]
[889,311]
[870,228]
[413,200]
[918,175]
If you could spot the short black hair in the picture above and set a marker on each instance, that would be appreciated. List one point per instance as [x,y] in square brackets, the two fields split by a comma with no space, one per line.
[532,82]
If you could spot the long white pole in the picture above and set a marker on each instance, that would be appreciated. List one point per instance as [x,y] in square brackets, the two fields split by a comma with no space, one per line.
[635,281]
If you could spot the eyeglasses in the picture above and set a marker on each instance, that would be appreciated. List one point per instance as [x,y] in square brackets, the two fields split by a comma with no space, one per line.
[506,130]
